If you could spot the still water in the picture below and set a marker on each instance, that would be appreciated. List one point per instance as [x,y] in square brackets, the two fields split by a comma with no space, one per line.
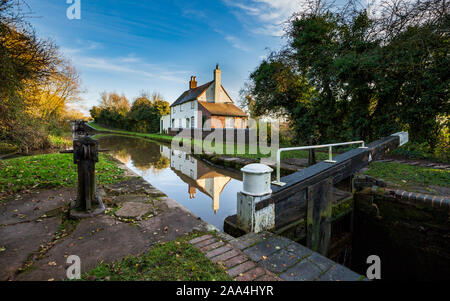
[206,191]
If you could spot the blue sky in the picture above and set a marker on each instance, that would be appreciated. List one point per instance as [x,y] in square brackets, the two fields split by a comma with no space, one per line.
[130,46]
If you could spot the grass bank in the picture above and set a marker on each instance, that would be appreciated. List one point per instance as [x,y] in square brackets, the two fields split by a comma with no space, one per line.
[235,151]
[61,142]
[7,148]
[414,151]
[55,142]
[51,170]
[170,261]
[158,137]
[403,174]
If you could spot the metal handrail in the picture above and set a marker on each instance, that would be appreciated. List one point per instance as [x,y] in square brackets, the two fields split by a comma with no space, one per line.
[330,154]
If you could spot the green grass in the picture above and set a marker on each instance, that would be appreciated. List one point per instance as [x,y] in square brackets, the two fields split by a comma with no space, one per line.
[174,260]
[320,156]
[167,138]
[161,137]
[403,174]
[59,141]
[52,170]
[416,151]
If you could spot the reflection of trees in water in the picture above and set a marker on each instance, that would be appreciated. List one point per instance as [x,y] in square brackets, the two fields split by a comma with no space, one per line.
[121,155]
[162,163]
[145,154]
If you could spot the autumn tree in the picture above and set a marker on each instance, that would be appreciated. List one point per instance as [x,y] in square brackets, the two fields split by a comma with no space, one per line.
[25,61]
[49,98]
[114,101]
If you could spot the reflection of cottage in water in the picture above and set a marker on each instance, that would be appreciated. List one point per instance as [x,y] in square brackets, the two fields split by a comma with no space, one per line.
[197,175]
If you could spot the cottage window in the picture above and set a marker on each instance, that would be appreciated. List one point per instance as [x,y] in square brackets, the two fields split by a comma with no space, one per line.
[192,122]
[204,118]
[192,104]
[181,108]
[229,122]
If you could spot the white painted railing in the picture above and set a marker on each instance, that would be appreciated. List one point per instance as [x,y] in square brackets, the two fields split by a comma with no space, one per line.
[330,154]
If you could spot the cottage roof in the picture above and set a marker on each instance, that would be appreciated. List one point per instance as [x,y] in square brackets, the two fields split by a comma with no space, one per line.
[191,94]
[222,109]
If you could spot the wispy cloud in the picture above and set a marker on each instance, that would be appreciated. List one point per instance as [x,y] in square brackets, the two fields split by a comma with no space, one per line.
[130,64]
[264,16]
[236,43]
[193,13]
[81,45]
[129,67]
[88,45]
[233,40]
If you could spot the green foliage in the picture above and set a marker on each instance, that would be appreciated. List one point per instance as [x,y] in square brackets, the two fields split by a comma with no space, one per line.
[403,174]
[95,112]
[339,78]
[6,148]
[60,142]
[52,170]
[143,116]
[171,261]
[422,151]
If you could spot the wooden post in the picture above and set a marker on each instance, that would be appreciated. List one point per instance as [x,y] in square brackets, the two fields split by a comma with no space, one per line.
[85,155]
[318,219]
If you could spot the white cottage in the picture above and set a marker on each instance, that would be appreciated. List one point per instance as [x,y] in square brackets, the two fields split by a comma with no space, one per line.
[205,107]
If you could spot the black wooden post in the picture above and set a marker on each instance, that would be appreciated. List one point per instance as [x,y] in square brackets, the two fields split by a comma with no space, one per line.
[85,155]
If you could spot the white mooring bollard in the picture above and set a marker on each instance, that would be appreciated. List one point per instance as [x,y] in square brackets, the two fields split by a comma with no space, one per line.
[256,187]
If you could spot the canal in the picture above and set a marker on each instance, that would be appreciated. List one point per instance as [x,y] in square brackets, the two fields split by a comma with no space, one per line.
[206,191]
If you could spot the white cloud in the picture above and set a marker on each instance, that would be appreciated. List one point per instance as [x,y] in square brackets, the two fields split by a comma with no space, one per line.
[82,46]
[236,43]
[131,68]
[269,15]
[128,65]
[233,40]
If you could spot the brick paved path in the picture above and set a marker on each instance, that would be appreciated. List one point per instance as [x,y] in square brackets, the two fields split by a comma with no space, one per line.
[238,265]
[267,257]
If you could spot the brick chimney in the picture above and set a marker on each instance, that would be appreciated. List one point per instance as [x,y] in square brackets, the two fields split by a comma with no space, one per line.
[192,83]
[217,83]
[192,191]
